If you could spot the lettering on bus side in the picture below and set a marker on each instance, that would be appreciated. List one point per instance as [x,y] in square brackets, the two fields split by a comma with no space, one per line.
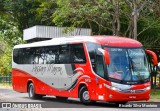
[50,68]
[53,69]
[38,68]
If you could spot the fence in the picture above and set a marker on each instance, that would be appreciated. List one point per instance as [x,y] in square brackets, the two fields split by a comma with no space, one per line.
[5,79]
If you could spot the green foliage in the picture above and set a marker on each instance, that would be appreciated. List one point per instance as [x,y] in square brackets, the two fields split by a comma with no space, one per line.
[22,12]
[151,36]
[45,11]
[9,36]
[102,17]
[155,94]
[77,13]
[9,32]
[5,58]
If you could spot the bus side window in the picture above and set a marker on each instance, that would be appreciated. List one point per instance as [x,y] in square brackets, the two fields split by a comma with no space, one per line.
[64,56]
[28,58]
[77,53]
[51,53]
[36,56]
[99,65]
[15,55]
[20,57]
[91,47]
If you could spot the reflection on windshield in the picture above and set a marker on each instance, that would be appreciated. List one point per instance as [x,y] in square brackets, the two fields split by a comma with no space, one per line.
[128,64]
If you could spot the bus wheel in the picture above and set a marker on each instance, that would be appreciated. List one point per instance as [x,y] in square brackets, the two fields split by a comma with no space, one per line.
[84,95]
[31,92]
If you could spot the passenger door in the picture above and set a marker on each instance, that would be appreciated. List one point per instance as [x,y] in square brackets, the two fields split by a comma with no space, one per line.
[100,71]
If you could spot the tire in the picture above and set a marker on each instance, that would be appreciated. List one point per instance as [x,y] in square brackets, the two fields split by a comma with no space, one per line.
[32,93]
[61,98]
[84,95]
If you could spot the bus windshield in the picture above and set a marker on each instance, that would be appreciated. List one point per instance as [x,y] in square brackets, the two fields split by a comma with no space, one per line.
[128,64]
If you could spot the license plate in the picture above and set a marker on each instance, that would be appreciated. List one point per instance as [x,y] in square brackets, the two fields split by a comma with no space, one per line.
[132,97]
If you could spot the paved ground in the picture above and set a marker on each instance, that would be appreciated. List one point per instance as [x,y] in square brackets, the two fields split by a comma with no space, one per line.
[15,98]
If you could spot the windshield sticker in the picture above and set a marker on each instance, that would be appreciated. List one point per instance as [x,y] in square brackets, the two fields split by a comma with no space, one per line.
[116,49]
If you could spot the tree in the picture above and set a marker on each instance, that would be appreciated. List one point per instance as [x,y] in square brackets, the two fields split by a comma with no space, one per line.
[123,18]
[5,58]
[9,32]
[45,10]
[9,36]
[97,15]
[136,7]
[149,25]
[22,12]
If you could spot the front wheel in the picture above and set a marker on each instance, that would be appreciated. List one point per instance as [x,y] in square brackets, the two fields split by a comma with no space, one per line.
[84,95]
[32,93]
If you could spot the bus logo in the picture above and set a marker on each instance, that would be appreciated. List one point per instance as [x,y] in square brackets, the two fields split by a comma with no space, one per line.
[6,105]
[133,91]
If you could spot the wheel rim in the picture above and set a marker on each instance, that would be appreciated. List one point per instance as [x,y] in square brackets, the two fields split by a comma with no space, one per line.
[86,95]
[31,91]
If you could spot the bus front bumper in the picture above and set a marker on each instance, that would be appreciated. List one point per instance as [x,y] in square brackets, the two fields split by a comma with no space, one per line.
[114,96]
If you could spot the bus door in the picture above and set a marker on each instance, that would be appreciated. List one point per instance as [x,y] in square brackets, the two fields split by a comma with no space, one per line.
[100,78]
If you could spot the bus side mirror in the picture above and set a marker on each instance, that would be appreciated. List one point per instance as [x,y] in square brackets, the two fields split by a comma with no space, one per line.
[154,57]
[106,55]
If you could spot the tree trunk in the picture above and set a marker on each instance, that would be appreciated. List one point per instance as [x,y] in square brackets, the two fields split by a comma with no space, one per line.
[115,16]
[135,21]
[155,80]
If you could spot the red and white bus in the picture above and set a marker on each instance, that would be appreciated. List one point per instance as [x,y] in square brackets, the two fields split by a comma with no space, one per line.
[101,68]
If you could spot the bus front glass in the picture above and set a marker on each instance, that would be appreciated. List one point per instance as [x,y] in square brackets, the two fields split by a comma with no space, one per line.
[128,65]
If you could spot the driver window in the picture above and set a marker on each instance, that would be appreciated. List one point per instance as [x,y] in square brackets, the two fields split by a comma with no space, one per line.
[99,66]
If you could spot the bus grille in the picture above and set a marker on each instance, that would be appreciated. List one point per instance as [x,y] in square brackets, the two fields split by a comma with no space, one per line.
[133,91]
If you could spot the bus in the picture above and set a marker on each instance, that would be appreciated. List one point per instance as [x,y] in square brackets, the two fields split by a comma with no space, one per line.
[91,68]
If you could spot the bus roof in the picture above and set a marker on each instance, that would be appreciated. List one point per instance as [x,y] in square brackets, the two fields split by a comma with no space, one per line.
[114,41]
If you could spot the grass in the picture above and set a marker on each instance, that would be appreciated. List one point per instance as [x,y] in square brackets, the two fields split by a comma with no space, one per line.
[155,93]
[6,84]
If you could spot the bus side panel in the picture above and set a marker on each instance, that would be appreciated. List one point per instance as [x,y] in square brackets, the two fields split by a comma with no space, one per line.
[43,88]
[15,82]
[19,80]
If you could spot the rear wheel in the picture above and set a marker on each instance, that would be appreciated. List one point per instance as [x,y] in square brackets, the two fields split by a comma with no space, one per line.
[31,92]
[84,95]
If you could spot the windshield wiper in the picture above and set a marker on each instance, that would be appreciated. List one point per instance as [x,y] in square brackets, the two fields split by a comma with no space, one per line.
[128,72]
[139,76]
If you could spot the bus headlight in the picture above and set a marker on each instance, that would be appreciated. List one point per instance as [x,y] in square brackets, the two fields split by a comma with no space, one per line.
[147,88]
[115,88]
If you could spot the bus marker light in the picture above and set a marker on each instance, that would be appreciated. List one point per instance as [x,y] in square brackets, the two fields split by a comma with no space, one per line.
[110,96]
[100,97]
[87,80]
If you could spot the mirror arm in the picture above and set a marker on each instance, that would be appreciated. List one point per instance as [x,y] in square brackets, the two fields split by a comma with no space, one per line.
[154,57]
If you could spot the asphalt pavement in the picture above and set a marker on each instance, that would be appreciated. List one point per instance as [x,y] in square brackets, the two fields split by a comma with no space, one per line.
[12,100]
